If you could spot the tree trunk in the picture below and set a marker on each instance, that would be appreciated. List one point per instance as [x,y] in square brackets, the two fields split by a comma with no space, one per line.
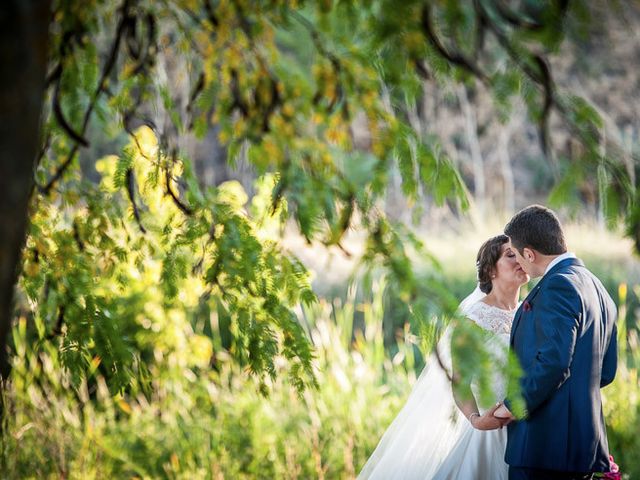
[509,193]
[471,126]
[24,26]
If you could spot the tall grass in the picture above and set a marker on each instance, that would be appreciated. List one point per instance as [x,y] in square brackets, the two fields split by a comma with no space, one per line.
[208,424]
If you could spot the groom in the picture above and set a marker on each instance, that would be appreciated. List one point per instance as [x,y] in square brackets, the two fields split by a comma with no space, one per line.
[564,336]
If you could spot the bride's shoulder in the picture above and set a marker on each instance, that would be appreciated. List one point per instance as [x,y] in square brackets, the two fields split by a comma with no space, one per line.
[490,317]
[476,307]
[476,311]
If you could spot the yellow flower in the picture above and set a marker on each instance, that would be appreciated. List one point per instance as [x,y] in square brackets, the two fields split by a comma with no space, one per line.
[31,269]
[336,136]
[622,292]
[239,127]
[330,91]
[124,406]
[226,76]
[369,99]
[288,109]
[272,150]
[289,131]
[378,149]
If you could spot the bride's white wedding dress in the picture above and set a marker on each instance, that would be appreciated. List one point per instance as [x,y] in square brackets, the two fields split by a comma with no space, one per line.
[430,438]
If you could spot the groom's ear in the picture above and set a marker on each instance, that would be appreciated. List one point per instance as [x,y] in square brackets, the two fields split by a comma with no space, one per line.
[529,254]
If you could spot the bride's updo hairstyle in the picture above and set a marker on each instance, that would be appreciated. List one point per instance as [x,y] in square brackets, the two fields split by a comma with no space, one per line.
[488,256]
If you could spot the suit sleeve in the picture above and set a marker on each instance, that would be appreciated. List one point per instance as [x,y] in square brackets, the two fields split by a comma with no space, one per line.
[558,313]
[610,360]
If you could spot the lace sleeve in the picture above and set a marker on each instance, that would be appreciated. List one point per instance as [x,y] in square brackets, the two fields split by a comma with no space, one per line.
[491,318]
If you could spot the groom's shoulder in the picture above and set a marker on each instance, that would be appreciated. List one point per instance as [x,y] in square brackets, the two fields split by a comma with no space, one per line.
[565,279]
[576,267]
[576,274]
[567,276]
[570,268]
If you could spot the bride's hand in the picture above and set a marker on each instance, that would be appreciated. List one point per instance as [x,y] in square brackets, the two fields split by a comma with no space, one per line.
[488,421]
[503,413]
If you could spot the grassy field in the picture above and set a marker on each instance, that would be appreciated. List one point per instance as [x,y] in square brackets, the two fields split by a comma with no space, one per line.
[203,423]
[608,254]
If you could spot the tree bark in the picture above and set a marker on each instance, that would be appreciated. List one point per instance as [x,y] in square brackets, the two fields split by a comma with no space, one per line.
[509,193]
[475,151]
[24,26]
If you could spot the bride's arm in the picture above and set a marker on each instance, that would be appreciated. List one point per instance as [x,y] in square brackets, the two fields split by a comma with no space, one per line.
[466,401]
[460,383]
[467,404]
[463,396]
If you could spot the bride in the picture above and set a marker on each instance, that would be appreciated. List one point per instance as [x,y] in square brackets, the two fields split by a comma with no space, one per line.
[443,435]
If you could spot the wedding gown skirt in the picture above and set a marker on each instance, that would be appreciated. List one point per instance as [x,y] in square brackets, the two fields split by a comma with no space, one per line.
[430,438]
[477,455]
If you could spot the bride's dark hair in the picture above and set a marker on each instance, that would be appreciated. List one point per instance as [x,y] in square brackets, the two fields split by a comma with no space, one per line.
[488,256]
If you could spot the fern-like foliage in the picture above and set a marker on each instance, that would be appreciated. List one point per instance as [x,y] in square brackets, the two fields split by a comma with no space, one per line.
[119,273]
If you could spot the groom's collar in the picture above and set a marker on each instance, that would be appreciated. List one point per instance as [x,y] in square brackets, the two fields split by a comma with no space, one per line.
[557,264]
[557,260]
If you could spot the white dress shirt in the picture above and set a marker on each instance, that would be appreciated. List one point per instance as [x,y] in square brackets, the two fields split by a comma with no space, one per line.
[558,259]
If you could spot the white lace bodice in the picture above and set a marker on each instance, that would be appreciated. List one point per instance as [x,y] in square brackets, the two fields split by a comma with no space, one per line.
[491,318]
[498,322]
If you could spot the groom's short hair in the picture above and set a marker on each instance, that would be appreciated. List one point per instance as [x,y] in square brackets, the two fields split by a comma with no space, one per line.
[536,227]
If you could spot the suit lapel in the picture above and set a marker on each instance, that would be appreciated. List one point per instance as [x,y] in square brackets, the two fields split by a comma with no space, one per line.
[532,294]
[520,312]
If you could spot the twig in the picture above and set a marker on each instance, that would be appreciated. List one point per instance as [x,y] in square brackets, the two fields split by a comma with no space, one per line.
[76,236]
[548,104]
[59,171]
[505,12]
[421,69]
[456,58]
[541,77]
[210,13]
[450,376]
[333,59]
[131,189]
[79,138]
[54,75]
[181,206]
[57,110]
[57,329]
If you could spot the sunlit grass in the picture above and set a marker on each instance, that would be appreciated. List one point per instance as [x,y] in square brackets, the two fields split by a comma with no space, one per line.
[213,424]
[196,422]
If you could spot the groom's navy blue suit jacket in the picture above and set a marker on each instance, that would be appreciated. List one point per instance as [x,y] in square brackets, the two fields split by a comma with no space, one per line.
[564,336]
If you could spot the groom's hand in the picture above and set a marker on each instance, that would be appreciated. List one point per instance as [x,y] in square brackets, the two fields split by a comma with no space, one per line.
[488,420]
[503,413]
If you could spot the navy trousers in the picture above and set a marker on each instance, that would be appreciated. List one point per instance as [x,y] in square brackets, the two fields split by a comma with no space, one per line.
[516,473]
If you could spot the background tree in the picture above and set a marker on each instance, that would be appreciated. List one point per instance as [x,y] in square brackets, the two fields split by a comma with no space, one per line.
[290,88]
[24,43]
